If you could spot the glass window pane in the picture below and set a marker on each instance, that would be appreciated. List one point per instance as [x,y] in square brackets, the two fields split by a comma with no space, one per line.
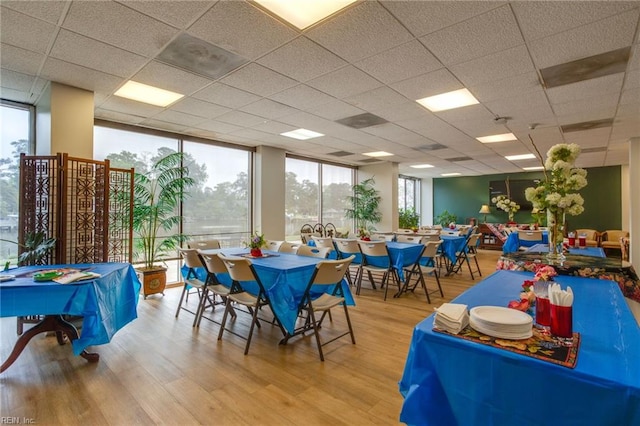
[301,196]
[336,187]
[219,206]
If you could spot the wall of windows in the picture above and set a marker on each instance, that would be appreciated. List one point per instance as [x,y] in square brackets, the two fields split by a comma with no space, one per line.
[316,193]
[217,207]
[408,193]
[16,130]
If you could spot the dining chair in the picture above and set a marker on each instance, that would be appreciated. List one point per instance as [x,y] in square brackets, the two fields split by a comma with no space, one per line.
[214,266]
[592,236]
[241,271]
[321,242]
[273,245]
[530,237]
[376,259]
[610,239]
[345,247]
[404,231]
[327,273]
[379,236]
[312,251]
[192,261]
[405,238]
[204,244]
[469,251]
[425,265]
[287,247]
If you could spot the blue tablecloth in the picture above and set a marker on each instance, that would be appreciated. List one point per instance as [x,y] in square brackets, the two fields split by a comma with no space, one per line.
[284,276]
[452,244]
[513,242]
[401,254]
[586,251]
[106,304]
[448,380]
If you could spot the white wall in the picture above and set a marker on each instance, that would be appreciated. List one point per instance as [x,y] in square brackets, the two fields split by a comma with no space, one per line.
[385,176]
[269,194]
[426,201]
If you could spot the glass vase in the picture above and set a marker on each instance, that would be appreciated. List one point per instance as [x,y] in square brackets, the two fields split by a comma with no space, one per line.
[555,223]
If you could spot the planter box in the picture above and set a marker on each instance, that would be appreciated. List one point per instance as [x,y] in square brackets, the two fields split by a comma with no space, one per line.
[153,280]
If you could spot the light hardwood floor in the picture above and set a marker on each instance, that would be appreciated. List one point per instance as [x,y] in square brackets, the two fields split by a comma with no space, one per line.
[160,370]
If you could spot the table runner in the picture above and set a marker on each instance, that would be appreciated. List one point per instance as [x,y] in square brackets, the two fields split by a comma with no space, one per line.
[540,346]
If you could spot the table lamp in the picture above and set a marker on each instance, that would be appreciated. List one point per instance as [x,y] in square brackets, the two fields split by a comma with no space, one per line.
[485,211]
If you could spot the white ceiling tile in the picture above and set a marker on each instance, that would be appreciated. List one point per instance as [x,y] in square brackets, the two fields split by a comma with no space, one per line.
[400,111]
[479,36]
[400,63]
[607,104]
[170,78]
[433,83]
[178,118]
[24,31]
[200,108]
[586,89]
[376,98]
[20,60]
[345,82]
[588,40]
[127,106]
[241,28]
[302,60]
[224,95]
[532,107]
[269,109]
[159,124]
[335,110]
[50,10]
[515,86]
[273,127]
[259,80]
[302,97]
[80,50]
[632,79]
[218,127]
[118,117]
[119,26]
[16,80]
[497,66]
[175,13]
[77,76]
[393,133]
[360,31]
[240,118]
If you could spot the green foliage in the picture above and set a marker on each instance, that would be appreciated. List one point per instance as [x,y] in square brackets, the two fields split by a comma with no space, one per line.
[36,247]
[408,219]
[364,202]
[157,196]
[445,218]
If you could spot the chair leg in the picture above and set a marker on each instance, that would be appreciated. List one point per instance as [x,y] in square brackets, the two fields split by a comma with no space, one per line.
[424,287]
[477,265]
[469,266]
[316,332]
[224,318]
[438,281]
[346,314]
[184,290]
[254,321]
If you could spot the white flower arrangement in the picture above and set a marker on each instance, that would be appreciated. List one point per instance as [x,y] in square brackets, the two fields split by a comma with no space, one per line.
[504,203]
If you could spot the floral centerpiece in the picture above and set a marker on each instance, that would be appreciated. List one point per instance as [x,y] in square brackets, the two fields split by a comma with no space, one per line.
[364,234]
[557,193]
[255,244]
[503,202]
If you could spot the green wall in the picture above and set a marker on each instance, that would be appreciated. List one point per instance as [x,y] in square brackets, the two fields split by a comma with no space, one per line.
[463,196]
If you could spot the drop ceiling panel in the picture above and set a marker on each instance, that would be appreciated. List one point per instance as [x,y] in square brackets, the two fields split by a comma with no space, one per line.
[376,98]
[127,106]
[20,60]
[516,86]
[224,95]
[302,97]
[17,80]
[49,11]
[503,64]
[406,110]
[586,89]
[218,127]
[175,13]
[240,118]
[179,118]
[588,40]
[170,78]
[476,37]
[367,26]
[335,110]
[160,124]
[345,82]
[259,80]
[268,109]
[84,78]
[632,80]
[119,26]
[119,117]
[273,127]
[429,84]
[24,31]
[199,108]
[302,60]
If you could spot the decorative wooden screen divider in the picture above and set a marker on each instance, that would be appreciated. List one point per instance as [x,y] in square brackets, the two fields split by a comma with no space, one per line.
[84,204]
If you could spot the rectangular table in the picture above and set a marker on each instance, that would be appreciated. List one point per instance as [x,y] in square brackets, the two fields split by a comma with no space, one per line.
[448,380]
[585,251]
[284,276]
[106,304]
[513,242]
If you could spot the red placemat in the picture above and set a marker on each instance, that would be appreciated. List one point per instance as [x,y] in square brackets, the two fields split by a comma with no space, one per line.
[541,346]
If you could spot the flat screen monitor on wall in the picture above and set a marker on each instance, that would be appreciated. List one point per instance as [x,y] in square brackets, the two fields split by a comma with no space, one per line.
[516,189]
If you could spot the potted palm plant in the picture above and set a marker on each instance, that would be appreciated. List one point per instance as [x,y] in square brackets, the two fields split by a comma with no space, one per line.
[365,203]
[157,196]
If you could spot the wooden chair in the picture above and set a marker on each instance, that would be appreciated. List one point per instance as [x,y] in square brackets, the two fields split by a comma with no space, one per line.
[610,239]
[593,236]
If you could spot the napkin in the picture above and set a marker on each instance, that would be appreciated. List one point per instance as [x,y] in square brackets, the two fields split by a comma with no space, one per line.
[560,297]
[451,317]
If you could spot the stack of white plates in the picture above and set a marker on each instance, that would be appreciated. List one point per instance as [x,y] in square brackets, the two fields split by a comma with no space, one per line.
[504,323]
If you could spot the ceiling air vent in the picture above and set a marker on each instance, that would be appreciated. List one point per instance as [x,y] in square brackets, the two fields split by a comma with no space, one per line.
[340,153]
[596,149]
[600,65]
[587,125]
[361,121]
[431,147]
[458,159]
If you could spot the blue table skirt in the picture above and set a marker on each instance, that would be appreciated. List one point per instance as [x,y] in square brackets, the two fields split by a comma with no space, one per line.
[449,381]
[513,242]
[284,277]
[451,245]
[106,304]
[586,251]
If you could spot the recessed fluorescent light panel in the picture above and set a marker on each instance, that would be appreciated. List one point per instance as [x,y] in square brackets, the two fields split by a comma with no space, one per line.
[422,166]
[533,168]
[498,138]
[377,154]
[147,94]
[520,157]
[449,100]
[302,134]
[304,13]
[450,174]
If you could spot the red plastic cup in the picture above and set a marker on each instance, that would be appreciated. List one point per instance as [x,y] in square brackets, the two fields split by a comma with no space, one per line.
[582,241]
[562,321]
[572,241]
[543,311]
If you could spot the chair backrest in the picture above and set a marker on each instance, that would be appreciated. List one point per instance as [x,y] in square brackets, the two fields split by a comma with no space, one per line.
[373,248]
[464,230]
[330,230]
[346,246]
[438,227]
[273,245]
[240,269]
[430,237]
[404,231]
[191,258]
[403,238]
[473,239]
[453,233]
[590,234]
[323,242]
[204,244]
[330,272]
[529,235]
[431,249]
[311,251]
[213,263]
[287,247]
[614,235]
[381,237]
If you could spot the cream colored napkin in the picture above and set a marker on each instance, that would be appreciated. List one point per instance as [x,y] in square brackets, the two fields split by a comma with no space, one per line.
[451,317]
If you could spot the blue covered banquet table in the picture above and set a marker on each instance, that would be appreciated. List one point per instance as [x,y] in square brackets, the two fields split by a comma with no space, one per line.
[448,380]
[106,304]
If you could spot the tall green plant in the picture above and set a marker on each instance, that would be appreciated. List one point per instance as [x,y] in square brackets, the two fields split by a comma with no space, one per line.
[445,218]
[365,203]
[157,196]
[408,218]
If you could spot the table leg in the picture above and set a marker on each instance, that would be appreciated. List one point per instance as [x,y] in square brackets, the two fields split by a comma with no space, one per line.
[49,323]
